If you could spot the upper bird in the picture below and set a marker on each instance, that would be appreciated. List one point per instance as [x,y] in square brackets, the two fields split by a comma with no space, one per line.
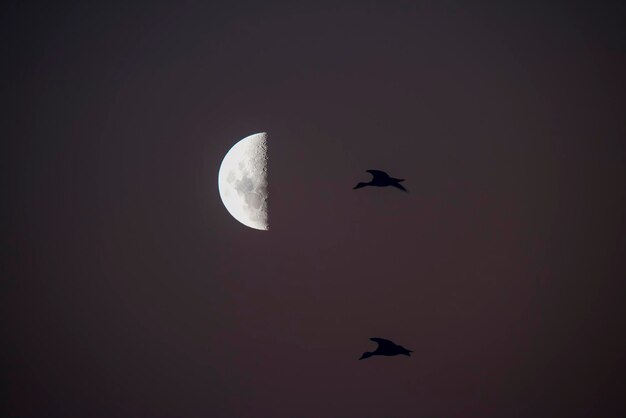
[381,179]
[386,348]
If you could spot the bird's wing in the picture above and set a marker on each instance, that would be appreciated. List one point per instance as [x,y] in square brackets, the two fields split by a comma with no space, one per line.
[399,186]
[378,174]
[383,343]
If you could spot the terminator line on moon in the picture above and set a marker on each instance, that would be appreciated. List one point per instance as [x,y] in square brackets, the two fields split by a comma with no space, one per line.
[242,181]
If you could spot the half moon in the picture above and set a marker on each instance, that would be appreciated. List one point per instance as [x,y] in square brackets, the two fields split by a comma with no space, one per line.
[242,181]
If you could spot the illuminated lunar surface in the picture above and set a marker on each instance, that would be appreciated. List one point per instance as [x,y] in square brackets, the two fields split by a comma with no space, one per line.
[242,181]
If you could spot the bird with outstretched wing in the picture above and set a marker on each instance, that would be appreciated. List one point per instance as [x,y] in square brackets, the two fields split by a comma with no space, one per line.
[381,179]
[386,348]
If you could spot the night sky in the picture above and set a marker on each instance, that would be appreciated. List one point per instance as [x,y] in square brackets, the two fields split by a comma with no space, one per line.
[128,290]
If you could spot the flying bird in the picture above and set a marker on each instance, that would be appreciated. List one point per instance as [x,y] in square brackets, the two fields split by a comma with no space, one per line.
[381,179]
[386,348]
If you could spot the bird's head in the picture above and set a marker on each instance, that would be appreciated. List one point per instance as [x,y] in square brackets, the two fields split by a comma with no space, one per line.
[366,355]
[358,186]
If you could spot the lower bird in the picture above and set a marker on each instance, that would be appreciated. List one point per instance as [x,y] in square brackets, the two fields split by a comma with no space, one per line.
[381,179]
[386,348]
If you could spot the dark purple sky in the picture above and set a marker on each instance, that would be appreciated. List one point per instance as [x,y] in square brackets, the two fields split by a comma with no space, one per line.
[128,290]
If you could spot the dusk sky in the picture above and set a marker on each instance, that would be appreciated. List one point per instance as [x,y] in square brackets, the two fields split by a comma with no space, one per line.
[128,290]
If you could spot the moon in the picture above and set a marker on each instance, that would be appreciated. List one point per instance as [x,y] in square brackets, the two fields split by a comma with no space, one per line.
[242,181]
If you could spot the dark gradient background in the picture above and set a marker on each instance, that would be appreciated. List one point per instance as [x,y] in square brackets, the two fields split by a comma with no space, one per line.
[128,290]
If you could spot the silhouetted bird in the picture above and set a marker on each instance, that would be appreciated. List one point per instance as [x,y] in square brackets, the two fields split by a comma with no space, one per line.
[386,348]
[381,179]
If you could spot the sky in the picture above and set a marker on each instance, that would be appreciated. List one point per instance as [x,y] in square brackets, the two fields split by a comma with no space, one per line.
[128,290]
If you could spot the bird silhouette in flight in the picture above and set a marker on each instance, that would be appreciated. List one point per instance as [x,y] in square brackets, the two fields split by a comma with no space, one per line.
[381,179]
[386,348]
